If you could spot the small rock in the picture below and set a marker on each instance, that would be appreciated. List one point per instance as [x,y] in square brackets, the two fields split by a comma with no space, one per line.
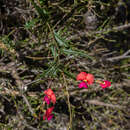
[90,20]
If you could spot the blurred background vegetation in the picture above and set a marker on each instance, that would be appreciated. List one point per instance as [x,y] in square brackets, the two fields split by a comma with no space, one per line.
[45,44]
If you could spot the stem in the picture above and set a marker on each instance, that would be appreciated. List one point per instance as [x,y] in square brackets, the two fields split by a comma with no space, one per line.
[69,105]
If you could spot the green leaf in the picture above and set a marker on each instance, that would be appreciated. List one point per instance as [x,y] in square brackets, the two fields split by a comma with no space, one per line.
[51,71]
[76,53]
[31,23]
[42,12]
[60,40]
[54,51]
[69,74]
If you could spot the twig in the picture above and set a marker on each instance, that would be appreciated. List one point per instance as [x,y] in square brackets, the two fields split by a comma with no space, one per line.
[28,104]
[16,93]
[110,53]
[33,81]
[76,36]
[75,92]
[69,105]
[118,28]
[12,70]
[24,122]
[20,84]
[96,102]
[81,34]
[124,56]
[126,53]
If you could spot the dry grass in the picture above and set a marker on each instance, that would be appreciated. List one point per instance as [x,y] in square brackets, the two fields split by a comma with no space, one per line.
[45,44]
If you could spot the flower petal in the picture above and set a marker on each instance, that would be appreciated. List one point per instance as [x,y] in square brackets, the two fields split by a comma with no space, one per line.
[47,100]
[49,111]
[83,84]
[81,76]
[105,84]
[89,79]
[48,92]
[49,117]
[44,117]
[48,114]
[53,98]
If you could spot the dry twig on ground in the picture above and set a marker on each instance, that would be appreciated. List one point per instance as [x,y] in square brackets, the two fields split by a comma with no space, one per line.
[11,69]
[116,58]
[82,34]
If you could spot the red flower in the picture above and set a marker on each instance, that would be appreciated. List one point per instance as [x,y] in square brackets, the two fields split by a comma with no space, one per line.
[81,76]
[50,94]
[105,84]
[89,79]
[47,100]
[83,84]
[53,98]
[48,114]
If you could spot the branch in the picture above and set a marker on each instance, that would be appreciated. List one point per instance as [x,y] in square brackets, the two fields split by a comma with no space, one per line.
[118,28]
[124,56]
[16,93]
[82,34]
[96,102]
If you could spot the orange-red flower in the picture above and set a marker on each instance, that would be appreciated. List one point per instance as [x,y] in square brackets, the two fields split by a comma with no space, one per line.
[48,113]
[89,79]
[50,94]
[81,76]
[53,98]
